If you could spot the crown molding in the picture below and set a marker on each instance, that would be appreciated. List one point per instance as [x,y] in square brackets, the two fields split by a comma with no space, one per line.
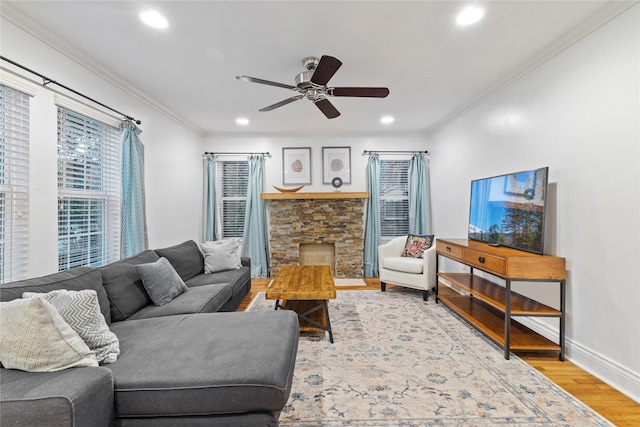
[601,17]
[13,14]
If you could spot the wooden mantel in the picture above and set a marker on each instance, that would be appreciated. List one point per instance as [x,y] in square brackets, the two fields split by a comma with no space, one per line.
[322,195]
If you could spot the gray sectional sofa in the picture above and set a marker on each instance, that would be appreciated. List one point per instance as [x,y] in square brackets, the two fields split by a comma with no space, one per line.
[187,362]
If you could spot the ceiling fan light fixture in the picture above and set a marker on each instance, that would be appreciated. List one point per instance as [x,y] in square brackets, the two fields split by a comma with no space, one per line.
[469,15]
[154,19]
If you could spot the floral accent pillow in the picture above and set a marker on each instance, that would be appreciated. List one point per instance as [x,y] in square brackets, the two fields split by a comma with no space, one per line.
[416,245]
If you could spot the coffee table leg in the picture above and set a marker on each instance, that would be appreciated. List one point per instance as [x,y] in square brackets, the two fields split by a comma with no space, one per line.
[326,313]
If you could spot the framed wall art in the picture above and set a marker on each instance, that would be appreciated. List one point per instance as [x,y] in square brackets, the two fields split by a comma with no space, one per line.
[336,163]
[296,166]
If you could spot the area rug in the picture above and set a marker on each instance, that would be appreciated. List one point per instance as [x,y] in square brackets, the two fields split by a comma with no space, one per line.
[400,361]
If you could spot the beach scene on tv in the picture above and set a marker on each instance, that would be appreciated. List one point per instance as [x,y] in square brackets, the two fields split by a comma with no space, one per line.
[508,210]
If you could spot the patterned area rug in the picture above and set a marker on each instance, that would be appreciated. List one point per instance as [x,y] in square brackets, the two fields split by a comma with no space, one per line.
[400,361]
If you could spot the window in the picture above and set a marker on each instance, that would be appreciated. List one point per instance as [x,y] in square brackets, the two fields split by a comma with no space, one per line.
[88,191]
[394,197]
[14,185]
[233,180]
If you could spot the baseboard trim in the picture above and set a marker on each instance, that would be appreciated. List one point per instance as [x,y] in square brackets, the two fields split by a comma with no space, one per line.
[604,368]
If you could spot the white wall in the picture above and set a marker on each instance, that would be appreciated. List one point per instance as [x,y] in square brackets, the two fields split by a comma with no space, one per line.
[274,144]
[173,172]
[579,114]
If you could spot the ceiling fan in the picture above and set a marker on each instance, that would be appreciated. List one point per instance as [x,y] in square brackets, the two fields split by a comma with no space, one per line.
[313,84]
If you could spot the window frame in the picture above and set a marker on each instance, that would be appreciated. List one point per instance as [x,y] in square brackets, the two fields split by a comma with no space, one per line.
[89,173]
[226,192]
[14,179]
[399,186]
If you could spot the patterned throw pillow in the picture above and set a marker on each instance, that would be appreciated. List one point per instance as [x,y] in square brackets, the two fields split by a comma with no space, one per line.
[81,310]
[416,245]
[35,338]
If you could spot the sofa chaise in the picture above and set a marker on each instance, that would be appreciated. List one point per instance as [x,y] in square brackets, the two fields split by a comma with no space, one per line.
[187,362]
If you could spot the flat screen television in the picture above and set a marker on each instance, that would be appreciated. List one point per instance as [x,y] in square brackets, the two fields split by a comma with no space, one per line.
[509,210]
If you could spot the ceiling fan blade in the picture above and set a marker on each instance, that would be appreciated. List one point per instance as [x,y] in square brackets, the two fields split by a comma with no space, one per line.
[326,68]
[365,92]
[327,108]
[281,103]
[264,82]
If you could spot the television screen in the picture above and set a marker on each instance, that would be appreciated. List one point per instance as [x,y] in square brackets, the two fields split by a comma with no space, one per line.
[508,210]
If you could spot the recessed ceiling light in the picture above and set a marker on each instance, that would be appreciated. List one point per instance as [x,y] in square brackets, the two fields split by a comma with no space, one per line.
[242,121]
[469,15]
[386,120]
[154,19]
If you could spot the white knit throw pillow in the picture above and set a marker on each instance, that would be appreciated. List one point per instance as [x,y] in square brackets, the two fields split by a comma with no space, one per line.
[34,337]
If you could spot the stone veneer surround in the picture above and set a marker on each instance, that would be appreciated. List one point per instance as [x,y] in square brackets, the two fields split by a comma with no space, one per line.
[338,221]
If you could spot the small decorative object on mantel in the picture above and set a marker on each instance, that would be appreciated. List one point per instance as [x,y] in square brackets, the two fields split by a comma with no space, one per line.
[288,190]
[336,183]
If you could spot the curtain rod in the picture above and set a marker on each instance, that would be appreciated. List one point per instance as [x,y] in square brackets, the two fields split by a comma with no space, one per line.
[369,152]
[267,154]
[47,80]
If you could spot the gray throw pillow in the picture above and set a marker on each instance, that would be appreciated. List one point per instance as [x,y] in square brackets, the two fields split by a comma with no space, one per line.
[161,281]
[221,255]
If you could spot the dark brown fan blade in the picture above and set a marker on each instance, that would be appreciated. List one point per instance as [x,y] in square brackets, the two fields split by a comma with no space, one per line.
[281,103]
[264,82]
[326,68]
[365,92]
[327,108]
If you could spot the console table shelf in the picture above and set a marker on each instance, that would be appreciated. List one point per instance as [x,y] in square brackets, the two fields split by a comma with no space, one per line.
[490,307]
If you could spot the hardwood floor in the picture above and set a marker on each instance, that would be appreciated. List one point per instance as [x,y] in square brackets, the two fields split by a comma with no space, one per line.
[599,396]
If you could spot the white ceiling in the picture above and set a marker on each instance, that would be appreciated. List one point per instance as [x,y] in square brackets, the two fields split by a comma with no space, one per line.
[432,67]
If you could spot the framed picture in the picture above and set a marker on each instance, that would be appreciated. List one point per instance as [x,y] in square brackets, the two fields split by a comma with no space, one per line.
[336,163]
[296,166]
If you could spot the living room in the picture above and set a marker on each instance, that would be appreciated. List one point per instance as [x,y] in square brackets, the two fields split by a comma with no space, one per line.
[574,110]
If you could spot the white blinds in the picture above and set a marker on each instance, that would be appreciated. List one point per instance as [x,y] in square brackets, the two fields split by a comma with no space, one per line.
[14,184]
[394,197]
[233,179]
[88,191]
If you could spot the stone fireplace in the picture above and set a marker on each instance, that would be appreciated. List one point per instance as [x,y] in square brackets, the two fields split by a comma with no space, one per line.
[313,223]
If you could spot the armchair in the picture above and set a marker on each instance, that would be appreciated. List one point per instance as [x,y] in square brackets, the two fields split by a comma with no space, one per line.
[416,273]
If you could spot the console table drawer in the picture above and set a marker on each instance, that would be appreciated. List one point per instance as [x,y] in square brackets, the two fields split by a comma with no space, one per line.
[484,261]
[449,250]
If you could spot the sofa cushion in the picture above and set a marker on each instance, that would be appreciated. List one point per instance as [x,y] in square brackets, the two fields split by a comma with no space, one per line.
[221,372]
[123,285]
[81,311]
[203,299]
[404,264]
[74,279]
[416,245]
[73,397]
[186,258]
[221,255]
[161,281]
[35,338]
[237,279]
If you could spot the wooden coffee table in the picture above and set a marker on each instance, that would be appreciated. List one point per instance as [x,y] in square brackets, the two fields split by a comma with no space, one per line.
[305,289]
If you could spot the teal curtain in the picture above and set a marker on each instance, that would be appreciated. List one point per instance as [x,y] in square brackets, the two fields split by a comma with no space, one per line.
[210,201]
[133,231]
[255,240]
[418,196]
[372,221]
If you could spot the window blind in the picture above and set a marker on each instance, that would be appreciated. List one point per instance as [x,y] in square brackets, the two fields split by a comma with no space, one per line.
[14,184]
[394,197]
[233,179]
[88,191]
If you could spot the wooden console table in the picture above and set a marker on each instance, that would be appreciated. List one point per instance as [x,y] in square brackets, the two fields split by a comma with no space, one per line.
[489,307]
